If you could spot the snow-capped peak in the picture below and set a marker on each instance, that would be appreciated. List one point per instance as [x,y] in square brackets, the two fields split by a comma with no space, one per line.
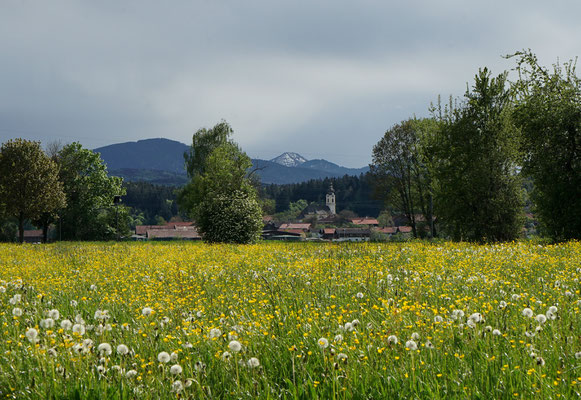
[289,159]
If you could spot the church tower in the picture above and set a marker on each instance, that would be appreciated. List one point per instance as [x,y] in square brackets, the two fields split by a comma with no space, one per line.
[330,200]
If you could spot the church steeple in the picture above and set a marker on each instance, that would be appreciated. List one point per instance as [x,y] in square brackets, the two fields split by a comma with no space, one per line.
[330,199]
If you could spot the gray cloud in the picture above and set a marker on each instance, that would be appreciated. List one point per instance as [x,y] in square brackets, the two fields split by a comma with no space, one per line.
[324,78]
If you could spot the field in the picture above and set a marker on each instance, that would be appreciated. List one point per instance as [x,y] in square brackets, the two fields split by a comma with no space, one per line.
[186,320]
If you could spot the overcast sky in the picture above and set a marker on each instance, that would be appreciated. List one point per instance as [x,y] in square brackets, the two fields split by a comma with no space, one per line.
[325,79]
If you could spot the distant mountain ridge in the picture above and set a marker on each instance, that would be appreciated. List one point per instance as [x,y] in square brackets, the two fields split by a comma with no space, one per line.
[161,161]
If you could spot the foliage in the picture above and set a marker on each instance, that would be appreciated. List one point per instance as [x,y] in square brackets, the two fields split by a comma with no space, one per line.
[204,142]
[294,210]
[151,201]
[479,191]
[89,192]
[220,197]
[548,111]
[400,169]
[482,319]
[354,193]
[29,184]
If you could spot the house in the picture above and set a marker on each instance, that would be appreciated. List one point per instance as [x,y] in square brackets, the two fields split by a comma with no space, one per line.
[302,226]
[327,233]
[283,235]
[33,235]
[169,231]
[365,221]
[352,234]
[322,211]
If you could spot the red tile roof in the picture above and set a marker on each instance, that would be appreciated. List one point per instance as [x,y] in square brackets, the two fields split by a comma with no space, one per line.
[173,233]
[388,229]
[303,226]
[405,229]
[364,221]
[33,233]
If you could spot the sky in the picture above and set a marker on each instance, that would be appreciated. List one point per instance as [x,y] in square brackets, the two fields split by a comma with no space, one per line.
[324,79]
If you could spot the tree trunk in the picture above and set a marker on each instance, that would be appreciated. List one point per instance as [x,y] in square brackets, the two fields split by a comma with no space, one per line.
[21,227]
[45,232]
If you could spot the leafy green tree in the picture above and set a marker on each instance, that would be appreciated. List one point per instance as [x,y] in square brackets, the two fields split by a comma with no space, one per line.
[204,142]
[479,191]
[548,111]
[400,170]
[89,214]
[225,203]
[29,184]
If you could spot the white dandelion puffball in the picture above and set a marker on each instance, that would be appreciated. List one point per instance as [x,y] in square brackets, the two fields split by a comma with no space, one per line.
[66,324]
[541,318]
[496,332]
[527,312]
[122,349]
[47,323]
[392,339]
[502,305]
[146,311]
[323,343]
[79,329]
[360,295]
[476,317]
[338,338]
[411,345]
[131,373]
[253,362]
[104,349]
[54,314]
[415,336]
[349,327]
[578,355]
[74,303]
[438,319]
[15,299]
[175,369]
[17,312]
[177,386]
[235,346]
[355,322]
[342,357]
[215,333]
[226,356]
[553,309]
[32,335]
[163,357]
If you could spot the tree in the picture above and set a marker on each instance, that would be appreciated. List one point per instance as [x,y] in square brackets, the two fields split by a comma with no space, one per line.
[29,184]
[220,197]
[89,214]
[478,189]
[548,111]
[400,170]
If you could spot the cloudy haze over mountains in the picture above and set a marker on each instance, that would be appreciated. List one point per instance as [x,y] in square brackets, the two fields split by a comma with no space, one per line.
[323,78]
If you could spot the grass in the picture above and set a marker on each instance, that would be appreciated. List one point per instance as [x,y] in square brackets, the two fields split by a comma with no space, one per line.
[462,305]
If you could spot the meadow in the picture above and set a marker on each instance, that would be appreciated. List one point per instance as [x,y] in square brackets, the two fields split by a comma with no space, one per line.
[270,321]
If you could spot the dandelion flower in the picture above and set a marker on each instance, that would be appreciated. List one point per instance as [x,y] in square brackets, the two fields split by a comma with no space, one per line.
[323,343]
[104,349]
[578,355]
[32,335]
[342,357]
[226,356]
[146,311]
[175,369]
[177,386]
[502,305]
[131,373]
[253,362]
[541,318]
[476,317]
[17,312]
[392,339]
[66,324]
[47,323]
[338,338]
[430,345]
[349,327]
[496,332]
[355,322]
[235,346]
[415,336]
[163,357]
[54,314]
[215,333]
[438,319]
[173,357]
[360,295]
[122,349]
[411,345]
[79,329]
[527,312]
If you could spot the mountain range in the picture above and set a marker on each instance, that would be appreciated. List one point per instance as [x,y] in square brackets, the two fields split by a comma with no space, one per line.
[161,161]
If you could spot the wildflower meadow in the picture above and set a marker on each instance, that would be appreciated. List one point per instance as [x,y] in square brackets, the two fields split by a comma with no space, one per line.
[286,321]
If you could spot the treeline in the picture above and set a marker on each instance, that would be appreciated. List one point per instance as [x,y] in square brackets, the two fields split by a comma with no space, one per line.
[64,185]
[353,193]
[151,204]
[461,173]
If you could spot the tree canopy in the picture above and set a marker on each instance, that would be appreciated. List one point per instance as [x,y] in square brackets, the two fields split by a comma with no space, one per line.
[29,184]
